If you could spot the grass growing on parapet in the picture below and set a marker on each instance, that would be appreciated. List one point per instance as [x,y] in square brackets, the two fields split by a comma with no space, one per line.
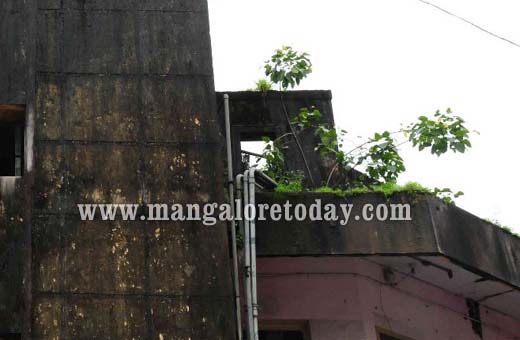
[292,186]
[387,189]
[505,228]
[263,85]
[390,188]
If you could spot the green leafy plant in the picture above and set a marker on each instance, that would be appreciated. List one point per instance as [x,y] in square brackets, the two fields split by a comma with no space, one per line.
[442,133]
[288,67]
[378,156]
[291,183]
[275,166]
[306,118]
[263,85]
[382,158]
[274,158]
[447,195]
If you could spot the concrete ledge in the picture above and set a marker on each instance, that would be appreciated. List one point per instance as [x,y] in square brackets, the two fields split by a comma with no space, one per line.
[435,229]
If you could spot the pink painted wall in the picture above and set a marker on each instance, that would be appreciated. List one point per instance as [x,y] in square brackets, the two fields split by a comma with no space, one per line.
[349,301]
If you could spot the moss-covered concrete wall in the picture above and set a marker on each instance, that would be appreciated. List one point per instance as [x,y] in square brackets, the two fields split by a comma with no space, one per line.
[13,59]
[11,254]
[13,64]
[124,99]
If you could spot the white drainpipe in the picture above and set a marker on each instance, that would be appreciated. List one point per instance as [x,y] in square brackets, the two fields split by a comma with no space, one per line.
[252,240]
[231,193]
[248,182]
[247,264]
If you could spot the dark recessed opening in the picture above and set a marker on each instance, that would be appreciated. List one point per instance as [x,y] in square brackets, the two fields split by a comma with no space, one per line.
[10,337]
[12,126]
[387,335]
[281,335]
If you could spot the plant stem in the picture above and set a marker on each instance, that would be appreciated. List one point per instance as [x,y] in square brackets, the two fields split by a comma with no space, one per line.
[302,153]
[331,172]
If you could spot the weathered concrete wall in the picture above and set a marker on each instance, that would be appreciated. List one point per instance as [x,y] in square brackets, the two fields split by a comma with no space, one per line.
[124,101]
[434,228]
[347,298]
[13,63]
[12,52]
[295,238]
[258,114]
[11,254]
[472,241]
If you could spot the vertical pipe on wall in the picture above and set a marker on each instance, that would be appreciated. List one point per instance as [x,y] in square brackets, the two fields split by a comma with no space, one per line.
[232,225]
[252,240]
[247,252]
[247,222]
[239,215]
[250,286]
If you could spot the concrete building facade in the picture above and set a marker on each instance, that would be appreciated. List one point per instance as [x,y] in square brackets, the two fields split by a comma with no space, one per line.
[117,101]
